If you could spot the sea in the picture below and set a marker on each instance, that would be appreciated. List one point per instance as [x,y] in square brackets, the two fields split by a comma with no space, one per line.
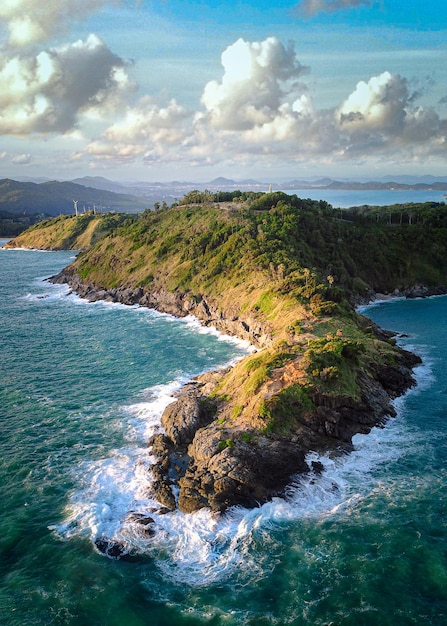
[82,388]
[344,198]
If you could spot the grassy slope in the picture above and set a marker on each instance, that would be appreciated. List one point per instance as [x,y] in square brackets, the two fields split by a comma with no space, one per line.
[285,262]
[67,232]
[250,264]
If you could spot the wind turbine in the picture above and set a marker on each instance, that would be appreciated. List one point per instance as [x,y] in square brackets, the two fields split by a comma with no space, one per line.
[75,204]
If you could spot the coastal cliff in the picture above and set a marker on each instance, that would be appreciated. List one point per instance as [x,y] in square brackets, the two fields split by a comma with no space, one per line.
[218,452]
[320,373]
[283,274]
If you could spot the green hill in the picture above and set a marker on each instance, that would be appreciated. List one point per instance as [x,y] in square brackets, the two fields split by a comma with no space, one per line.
[280,272]
[54,198]
[213,247]
[67,232]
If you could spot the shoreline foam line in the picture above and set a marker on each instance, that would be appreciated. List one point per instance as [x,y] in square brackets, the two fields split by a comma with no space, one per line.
[203,548]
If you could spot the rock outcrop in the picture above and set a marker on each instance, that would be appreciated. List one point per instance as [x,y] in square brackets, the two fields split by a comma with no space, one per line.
[247,328]
[220,466]
[204,460]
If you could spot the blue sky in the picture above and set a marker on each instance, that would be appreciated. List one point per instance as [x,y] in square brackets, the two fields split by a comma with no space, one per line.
[165,90]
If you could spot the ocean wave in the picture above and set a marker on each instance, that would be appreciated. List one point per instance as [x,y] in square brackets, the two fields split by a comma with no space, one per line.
[197,549]
[204,547]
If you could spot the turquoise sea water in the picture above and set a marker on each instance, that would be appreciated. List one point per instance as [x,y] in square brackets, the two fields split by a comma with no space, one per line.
[82,387]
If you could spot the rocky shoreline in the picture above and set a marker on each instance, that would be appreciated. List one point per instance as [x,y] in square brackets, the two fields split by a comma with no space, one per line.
[177,304]
[204,461]
[417,291]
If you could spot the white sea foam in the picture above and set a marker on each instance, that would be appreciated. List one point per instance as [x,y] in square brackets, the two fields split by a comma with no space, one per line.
[363,308]
[54,293]
[111,488]
[196,325]
[15,249]
[191,321]
[204,547]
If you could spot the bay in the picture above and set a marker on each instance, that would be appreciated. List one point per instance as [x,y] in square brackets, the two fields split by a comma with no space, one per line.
[82,387]
[344,198]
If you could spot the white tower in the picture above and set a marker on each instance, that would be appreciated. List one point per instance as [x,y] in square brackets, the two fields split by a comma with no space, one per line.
[75,204]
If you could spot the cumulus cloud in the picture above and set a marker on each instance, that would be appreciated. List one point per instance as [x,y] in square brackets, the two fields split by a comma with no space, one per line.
[148,129]
[257,77]
[46,93]
[259,109]
[381,115]
[31,21]
[380,103]
[312,7]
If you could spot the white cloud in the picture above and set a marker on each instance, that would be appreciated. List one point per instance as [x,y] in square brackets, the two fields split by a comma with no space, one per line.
[47,92]
[259,111]
[148,130]
[21,159]
[378,104]
[257,77]
[381,116]
[31,21]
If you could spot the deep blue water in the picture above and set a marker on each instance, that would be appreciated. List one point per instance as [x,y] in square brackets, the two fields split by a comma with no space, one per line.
[82,387]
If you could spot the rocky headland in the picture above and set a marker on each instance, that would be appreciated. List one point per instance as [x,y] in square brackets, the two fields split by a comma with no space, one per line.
[216,453]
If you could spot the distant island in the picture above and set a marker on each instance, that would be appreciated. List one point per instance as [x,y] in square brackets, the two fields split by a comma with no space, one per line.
[285,274]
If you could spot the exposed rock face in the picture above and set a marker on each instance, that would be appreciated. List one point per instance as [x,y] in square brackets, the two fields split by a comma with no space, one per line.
[209,468]
[183,418]
[179,304]
[222,469]
[245,473]
[203,463]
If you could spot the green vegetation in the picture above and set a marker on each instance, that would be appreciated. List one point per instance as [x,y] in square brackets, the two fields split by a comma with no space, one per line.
[227,443]
[282,411]
[54,198]
[288,265]
[12,224]
[68,232]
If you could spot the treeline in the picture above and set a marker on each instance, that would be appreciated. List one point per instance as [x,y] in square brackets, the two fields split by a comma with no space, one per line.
[12,224]
[207,197]
[356,248]
[346,252]
[432,214]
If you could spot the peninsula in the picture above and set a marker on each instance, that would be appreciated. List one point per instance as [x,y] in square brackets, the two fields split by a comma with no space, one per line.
[284,274]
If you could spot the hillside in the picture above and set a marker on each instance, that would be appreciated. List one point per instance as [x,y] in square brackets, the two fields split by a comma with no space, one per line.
[67,232]
[280,272]
[54,198]
[12,224]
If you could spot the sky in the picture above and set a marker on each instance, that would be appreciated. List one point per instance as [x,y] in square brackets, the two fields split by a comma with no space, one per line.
[146,90]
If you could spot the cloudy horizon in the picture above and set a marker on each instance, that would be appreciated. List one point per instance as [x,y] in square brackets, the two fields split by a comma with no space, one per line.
[162,90]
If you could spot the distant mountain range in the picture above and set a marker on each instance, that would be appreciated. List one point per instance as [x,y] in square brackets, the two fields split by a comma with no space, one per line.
[146,189]
[55,197]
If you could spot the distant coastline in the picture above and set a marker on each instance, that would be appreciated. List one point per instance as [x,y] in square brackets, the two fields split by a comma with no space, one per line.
[345,198]
[27,199]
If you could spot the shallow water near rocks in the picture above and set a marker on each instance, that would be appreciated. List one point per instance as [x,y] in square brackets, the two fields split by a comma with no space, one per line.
[82,387]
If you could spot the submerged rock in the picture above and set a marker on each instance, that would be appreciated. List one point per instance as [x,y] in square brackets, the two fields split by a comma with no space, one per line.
[114,549]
